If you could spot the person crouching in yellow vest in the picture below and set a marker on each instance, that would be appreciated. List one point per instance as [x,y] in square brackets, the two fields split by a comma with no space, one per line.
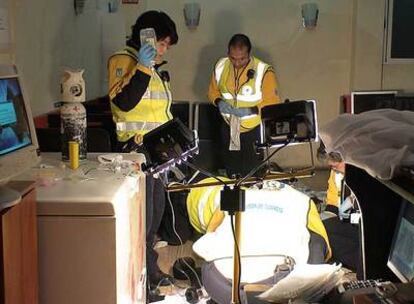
[240,86]
[203,206]
[279,223]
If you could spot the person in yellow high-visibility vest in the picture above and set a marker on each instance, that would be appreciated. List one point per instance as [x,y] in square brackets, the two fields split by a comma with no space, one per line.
[278,220]
[140,98]
[203,207]
[240,86]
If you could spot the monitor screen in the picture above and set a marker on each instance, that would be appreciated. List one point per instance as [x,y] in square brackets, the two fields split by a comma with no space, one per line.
[371,100]
[168,144]
[401,258]
[18,143]
[293,121]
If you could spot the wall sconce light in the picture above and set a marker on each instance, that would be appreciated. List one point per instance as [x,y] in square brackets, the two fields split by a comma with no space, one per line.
[310,14]
[192,14]
[79,5]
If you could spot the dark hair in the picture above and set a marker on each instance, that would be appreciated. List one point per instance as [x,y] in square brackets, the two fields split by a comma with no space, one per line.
[162,24]
[323,155]
[240,40]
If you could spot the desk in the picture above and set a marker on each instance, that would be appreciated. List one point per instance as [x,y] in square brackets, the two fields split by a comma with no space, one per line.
[91,236]
[18,248]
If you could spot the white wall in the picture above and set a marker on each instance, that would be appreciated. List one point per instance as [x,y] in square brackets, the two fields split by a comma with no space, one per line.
[49,36]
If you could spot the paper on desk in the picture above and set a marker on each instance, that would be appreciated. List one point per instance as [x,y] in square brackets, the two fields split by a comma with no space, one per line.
[307,282]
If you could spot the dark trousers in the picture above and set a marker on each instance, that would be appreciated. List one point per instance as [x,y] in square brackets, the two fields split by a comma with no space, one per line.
[239,162]
[345,243]
[154,207]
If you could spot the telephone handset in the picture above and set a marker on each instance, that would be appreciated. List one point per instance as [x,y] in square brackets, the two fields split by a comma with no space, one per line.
[148,36]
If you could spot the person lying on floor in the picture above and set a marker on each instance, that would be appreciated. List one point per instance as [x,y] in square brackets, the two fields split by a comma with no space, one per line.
[278,222]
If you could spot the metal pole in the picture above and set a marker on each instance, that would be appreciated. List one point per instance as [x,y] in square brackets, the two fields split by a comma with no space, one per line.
[236,259]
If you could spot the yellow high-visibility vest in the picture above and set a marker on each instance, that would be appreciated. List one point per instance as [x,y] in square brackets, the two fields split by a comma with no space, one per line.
[152,110]
[249,94]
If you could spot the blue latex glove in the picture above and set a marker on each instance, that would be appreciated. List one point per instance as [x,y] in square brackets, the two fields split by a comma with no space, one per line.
[224,107]
[240,112]
[345,208]
[146,55]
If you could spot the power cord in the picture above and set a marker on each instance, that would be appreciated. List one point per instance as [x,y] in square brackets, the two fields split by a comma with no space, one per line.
[205,172]
[181,243]
[253,171]
[180,240]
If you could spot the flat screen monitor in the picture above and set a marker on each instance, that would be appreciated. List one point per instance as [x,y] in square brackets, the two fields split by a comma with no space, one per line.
[401,258]
[294,122]
[362,101]
[167,145]
[18,143]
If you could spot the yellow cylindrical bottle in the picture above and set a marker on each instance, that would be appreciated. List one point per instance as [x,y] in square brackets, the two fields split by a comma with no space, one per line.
[74,154]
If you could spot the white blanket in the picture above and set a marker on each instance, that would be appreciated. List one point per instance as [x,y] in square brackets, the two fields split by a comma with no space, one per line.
[378,141]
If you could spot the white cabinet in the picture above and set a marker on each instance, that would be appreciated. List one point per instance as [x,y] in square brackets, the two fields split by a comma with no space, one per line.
[91,236]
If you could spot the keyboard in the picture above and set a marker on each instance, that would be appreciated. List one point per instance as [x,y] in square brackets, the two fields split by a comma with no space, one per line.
[353,285]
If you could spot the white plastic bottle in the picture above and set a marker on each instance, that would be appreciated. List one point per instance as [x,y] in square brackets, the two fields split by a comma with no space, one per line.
[72,113]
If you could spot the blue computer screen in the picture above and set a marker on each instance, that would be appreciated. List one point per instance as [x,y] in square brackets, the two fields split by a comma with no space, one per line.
[14,127]
[401,259]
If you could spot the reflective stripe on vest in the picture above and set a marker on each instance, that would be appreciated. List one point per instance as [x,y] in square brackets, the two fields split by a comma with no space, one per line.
[202,205]
[219,68]
[204,200]
[136,126]
[155,95]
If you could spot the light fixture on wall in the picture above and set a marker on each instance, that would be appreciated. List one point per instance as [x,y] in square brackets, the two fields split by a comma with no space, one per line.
[192,13]
[310,14]
[79,5]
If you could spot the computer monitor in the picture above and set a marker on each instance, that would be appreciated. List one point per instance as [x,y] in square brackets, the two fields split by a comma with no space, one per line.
[401,258]
[292,122]
[18,143]
[167,145]
[362,101]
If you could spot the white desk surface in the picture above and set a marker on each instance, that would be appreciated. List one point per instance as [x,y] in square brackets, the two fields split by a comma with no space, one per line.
[87,191]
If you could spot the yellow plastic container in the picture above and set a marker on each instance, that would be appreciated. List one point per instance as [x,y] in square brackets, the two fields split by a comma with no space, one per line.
[74,154]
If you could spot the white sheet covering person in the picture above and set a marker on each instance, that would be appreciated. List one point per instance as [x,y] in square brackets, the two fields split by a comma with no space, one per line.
[378,141]
[278,221]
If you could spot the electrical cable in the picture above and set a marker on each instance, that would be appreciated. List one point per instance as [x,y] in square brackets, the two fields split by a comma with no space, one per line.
[236,245]
[262,163]
[205,172]
[181,242]
[194,176]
